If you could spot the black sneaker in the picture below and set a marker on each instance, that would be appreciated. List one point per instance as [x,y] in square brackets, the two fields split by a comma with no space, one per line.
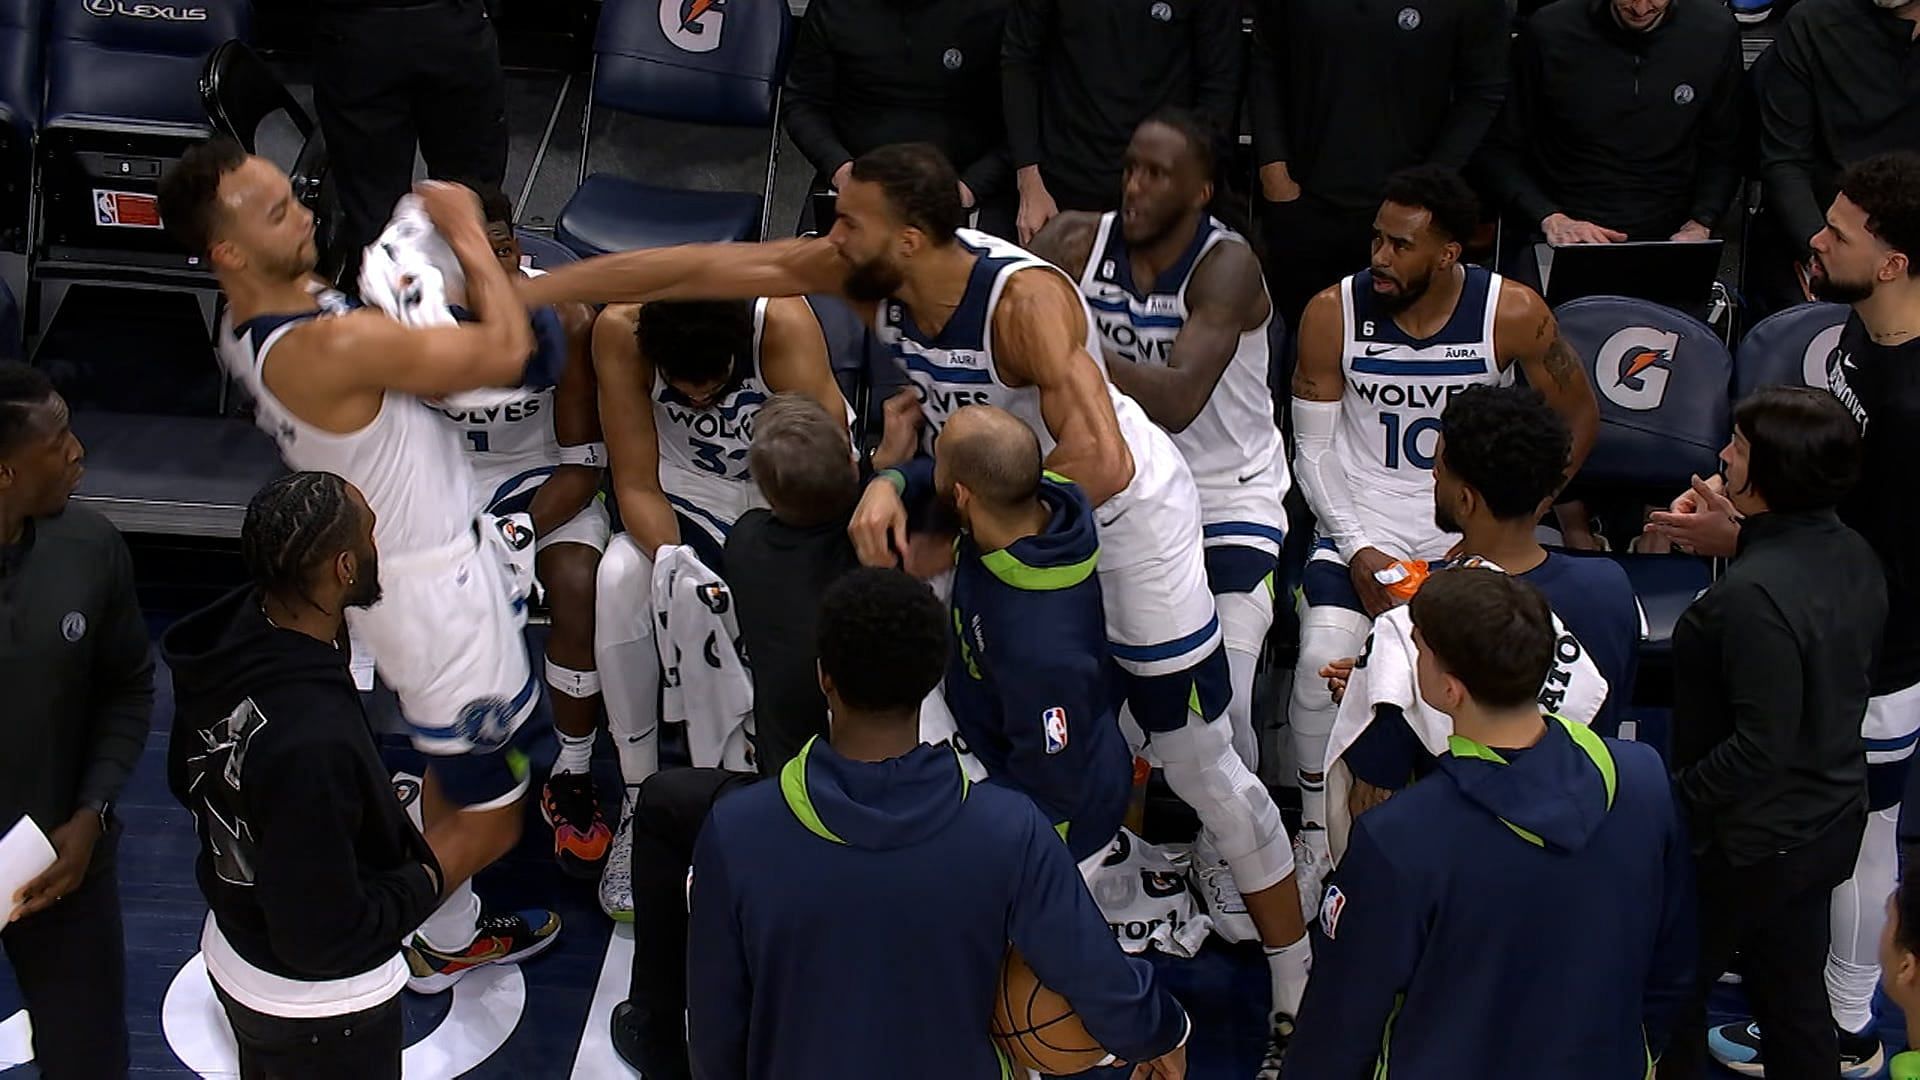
[1278,1036]
[580,835]
[657,1055]
[1737,1046]
[505,938]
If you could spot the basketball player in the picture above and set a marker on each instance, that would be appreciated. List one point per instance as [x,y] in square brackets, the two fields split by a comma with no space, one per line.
[1868,257]
[341,390]
[541,455]
[1380,355]
[680,384]
[1183,314]
[975,320]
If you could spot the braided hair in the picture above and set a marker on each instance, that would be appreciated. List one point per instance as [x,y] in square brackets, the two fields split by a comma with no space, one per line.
[293,525]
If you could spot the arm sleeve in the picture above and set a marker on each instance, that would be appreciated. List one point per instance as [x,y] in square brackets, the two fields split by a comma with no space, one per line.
[1787,136]
[719,990]
[1670,980]
[1220,63]
[1022,57]
[1322,478]
[321,911]
[1719,159]
[1361,968]
[1760,668]
[1505,155]
[808,104]
[1267,89]
[1480,83]
[123,681]
[1056,926]
[1387,754]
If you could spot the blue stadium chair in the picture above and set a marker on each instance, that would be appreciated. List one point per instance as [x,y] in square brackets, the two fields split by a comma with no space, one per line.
[1661,378]
[866,374]
[20,94]
[122,103]
[1789,348]
[545,251]
[240,95]
[693,61]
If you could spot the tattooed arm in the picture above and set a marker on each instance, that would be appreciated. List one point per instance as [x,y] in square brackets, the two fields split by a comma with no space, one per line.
[1524,332]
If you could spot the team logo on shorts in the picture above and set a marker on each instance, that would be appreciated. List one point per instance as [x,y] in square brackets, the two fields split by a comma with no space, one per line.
[952,59]
[73,626]
[1161,12]
[1683,94]
[1409,18]
[485,724]
[405,789]
[1633,367]
[1330,910]
[517,536]
[1054,723]
[693,25]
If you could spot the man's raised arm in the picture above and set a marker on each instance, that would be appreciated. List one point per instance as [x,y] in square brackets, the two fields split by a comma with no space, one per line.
[693,272]
[1226,300]
[1040,334]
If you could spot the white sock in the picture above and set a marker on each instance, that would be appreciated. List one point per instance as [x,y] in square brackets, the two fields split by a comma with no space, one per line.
[455,923]
[1289,966]
[576,752]
[1313,800]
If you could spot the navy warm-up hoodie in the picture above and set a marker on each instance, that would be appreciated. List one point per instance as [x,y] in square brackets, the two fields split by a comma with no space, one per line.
[1517,913]
[1030,682]
[851,919]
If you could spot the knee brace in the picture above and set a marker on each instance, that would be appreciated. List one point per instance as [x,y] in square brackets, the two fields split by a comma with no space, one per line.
[1232,804]
[572,682]
[1245,618]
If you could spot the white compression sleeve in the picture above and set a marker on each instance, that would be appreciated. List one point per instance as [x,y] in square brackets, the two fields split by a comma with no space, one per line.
[1321,478]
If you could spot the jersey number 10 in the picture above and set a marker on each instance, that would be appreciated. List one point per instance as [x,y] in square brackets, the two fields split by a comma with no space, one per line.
[1408,442]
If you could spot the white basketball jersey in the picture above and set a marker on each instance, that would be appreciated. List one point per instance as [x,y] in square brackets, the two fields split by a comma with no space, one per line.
[1234,436]
[713,440]
[1397,387]
[407,462]
[955,368]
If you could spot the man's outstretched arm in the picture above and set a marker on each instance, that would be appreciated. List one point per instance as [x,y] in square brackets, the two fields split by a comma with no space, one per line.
[694,272]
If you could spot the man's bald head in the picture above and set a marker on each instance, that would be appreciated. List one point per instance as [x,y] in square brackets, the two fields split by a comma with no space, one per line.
[990,452]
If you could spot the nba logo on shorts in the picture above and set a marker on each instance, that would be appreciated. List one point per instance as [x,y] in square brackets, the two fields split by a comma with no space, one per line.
[1054,723]
[485,724]
[693,25]
[1330,910]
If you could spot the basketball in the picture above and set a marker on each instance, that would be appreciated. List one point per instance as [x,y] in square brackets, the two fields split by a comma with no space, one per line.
[1035,1027]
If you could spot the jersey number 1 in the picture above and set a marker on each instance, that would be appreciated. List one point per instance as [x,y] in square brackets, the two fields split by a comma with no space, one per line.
[1407,443]
[479,441]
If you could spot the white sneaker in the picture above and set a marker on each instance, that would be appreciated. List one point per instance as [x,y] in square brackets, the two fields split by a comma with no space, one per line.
[1214,879]
[616,883]
[1279,1034]
[1311,861]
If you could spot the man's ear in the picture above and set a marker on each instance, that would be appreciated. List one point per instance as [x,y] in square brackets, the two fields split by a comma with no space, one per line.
[826,684]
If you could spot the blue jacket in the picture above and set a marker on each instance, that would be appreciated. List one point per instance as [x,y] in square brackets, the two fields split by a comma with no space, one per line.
[1517,913]
[1031,684]
[851,919]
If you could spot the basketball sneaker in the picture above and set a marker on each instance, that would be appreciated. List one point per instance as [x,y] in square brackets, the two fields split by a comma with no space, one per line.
[580,835]
[1214,880]
[616,883]
[1737,1046]
[1278,1036]
[505,938]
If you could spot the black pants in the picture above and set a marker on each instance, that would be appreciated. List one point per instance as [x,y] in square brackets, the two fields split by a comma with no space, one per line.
[668,813]
[1774,913]
[71,964]
[388,79]
[1311,244]
[362,1044]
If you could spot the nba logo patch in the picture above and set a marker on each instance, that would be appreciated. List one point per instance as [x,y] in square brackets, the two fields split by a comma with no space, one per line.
[1053,723]
[1330,910]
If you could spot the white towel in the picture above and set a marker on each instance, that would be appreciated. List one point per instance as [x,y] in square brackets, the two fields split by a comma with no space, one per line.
[706,684]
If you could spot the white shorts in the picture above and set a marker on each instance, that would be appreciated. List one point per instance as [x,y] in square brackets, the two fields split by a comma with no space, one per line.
[1159,610]
[1250,513]
[510,491]
[710,502]
[446,636]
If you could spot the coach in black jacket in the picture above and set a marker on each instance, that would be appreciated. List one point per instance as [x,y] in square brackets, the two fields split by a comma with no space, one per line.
[312,868]
[1622,122]
[1773,667]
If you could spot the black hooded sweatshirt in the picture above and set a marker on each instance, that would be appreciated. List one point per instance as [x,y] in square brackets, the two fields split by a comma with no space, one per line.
[310,863]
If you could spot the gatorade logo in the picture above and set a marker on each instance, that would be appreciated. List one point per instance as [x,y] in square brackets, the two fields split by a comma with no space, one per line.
[1633,367]
[693,25]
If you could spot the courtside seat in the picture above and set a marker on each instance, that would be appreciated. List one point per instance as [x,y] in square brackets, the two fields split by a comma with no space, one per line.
[112,61]
[545,251]
[1789,348]
[867,376]
[714,64]
[1661,378]
[181,475]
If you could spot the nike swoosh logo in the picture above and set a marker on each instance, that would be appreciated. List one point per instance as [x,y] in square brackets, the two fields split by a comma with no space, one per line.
[1377,350]
[496,949]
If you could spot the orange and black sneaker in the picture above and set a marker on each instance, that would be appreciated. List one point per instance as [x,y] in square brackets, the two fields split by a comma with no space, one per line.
[581,837]
[505,938]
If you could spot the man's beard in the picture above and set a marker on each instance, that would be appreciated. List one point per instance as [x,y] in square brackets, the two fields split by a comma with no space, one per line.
[1826,287]
[1443,519]
[1402,298]
[365,590]
[872,281]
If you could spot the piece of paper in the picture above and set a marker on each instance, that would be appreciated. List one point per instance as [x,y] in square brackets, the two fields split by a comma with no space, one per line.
[25,854]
